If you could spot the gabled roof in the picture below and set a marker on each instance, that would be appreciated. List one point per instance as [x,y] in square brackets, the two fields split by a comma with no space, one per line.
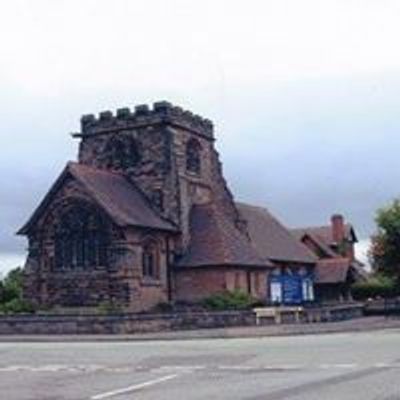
[113,192]
[339,270]
[324,233]
[317,240]
[271,239]
[215,240]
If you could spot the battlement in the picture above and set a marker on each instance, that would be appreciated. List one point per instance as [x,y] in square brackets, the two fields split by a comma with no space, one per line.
[143,115]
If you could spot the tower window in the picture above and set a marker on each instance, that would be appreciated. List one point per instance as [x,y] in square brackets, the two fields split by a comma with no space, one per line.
[193,156]
[122,152]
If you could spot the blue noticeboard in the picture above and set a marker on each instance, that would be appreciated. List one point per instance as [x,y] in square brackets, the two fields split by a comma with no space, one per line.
[292,289]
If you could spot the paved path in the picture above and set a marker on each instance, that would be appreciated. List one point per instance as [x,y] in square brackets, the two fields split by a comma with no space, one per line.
[356,366]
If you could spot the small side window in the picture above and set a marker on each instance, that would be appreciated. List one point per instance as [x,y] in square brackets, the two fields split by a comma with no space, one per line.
[150,260]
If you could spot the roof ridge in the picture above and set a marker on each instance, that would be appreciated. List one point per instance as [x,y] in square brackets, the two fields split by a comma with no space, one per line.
[327,226]
[254,206]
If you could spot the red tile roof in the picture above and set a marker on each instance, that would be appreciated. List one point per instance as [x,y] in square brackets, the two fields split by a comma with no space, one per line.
[332,270]
[114,193]
[214,240]
[271,239]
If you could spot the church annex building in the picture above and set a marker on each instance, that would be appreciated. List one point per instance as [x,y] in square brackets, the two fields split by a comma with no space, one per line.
[146,217]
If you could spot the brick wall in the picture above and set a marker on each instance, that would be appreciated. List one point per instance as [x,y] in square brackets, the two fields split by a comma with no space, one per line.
[196,284]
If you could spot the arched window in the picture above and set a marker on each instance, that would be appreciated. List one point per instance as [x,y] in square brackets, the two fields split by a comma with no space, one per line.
[122,152]
[80,239]
[150,260]
[193,156]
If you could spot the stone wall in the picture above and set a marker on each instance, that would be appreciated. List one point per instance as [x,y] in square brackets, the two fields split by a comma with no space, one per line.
[334,313]
[143,323]
[121,324]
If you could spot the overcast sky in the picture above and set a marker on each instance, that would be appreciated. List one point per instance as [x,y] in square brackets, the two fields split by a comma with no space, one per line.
[304,95]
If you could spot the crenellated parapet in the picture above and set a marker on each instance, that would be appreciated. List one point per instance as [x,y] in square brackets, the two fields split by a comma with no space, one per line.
[162,112]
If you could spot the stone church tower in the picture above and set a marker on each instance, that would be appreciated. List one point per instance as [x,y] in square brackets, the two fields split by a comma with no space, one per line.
[168,153]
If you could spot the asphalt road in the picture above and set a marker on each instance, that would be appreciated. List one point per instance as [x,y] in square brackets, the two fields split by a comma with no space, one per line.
[357,366]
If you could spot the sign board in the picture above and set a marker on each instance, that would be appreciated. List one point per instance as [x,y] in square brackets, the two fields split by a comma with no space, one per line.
[291,289]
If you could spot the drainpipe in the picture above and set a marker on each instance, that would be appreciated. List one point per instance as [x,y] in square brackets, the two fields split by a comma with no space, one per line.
[169,272]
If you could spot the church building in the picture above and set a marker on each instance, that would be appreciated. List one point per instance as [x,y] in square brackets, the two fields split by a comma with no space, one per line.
[145,217]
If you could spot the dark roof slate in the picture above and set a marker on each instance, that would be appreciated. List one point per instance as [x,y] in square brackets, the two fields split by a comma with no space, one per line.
[114,193]
[215,240]
[271,239]
[332,270]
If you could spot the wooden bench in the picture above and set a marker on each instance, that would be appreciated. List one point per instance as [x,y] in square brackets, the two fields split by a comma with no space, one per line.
[276,313]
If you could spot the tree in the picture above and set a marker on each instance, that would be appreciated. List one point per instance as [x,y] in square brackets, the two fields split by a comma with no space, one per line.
[385,244]
[11,287]
[11,300]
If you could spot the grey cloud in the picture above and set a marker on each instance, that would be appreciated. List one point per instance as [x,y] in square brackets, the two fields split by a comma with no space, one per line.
[305,149]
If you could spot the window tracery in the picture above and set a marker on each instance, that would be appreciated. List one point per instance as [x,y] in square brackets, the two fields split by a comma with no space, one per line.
[80,239]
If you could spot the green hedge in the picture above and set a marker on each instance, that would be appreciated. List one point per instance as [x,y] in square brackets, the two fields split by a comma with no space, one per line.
[230,300]
[378,286]
[17,306]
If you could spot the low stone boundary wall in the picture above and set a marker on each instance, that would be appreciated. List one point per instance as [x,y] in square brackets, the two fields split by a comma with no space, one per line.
[334,313]
[121,324]
[147,323]
[293,315]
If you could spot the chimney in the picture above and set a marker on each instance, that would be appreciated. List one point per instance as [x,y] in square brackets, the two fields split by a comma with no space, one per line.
[338,233]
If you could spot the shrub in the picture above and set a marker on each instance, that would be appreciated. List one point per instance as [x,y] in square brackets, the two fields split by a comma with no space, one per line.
[17,306]
[109,307]
[230,300]
[378,286]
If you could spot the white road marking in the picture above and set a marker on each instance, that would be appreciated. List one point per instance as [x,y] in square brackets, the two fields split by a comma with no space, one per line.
[341,366]
[66,368]
[184,368]
[384,365]
[286,367]
[133,388]
[236,367]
